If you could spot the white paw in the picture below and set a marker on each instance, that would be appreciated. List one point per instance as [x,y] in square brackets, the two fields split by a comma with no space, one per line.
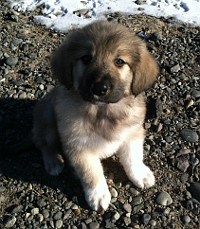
[99,197]
[54,166]
[142,177]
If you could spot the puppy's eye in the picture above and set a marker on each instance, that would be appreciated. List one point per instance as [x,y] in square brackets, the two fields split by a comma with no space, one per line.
[119,63]
[86,59]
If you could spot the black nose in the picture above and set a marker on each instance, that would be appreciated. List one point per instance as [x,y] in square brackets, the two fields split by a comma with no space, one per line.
[100,88]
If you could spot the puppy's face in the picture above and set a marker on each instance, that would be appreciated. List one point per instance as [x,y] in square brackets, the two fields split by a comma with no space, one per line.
[104,62]
[101,75]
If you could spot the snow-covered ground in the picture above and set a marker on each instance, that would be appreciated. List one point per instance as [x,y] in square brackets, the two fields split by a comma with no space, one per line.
[66,14]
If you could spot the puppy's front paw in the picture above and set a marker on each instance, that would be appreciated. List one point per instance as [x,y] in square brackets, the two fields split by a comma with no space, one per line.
[143,177]
[98,197]
[54,166]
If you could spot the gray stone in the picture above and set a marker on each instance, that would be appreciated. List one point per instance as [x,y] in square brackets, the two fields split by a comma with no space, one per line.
[182,164]
[175,68]
[186,219]
[195,190]
[127,207]
[196,93]
[9,221]
[137,200]
[146,218]
[12,61]
[113,192]
[115,216]
[17,209]
[58,215]
[189,135]
[59,223]
[35,211]
[2,188]
[164,199]
[127,221]
[93,225]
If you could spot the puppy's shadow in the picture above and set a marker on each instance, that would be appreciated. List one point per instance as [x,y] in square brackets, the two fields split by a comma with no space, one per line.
[27,166]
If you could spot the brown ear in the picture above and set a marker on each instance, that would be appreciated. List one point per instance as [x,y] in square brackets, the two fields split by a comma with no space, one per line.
[145,73]
[61,64]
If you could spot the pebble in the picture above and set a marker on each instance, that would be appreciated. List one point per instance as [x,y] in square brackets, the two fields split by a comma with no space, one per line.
[113,192]
[127,220]
[17,209]
[58,215]
[195,190]
[189,135]
[2,188]
[35,211]
[45,213]
[115,216]
[175,68]
[9,221]
[127,207]
[186,219]
[59,223]
[164,199]
[137,200]
[182,164]
[146,218]
[12,61]
[93,225]
[196,93]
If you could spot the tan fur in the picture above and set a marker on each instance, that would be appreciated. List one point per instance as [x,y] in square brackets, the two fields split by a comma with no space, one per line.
[98,109]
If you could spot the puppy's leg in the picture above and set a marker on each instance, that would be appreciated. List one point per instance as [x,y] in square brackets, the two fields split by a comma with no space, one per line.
[53,161]
[131,157]
[89,169]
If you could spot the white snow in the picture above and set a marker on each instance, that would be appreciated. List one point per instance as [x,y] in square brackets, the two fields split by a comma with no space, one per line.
[60,14]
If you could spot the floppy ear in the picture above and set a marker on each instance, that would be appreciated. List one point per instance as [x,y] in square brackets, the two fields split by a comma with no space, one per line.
[145,72]
[62,63]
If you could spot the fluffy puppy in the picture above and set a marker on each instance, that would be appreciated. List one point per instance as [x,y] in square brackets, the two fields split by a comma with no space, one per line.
[98,109]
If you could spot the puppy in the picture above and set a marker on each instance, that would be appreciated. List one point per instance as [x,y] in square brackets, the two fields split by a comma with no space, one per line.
[98,109]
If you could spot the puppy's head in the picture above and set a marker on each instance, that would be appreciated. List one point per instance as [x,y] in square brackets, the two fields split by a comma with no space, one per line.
[104,62]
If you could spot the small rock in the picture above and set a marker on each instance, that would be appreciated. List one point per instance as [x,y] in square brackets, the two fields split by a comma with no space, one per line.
[127,221]
[183,152]
[74,207]
[184,177]
[2,188]
[115,216]
[175,68]
[164,199]
[146,218]
[186,219]
[137,200]
[152,223]
[196,94]
[182,164]
[109,224]
[195,190]
[127,207]
[40,217]
[17,209]
[58,215]
[45,213]
[59,223]
[9,221]
[113,192]
[77,211]
[93,225]
[35,211]
[189,135]
[12,61]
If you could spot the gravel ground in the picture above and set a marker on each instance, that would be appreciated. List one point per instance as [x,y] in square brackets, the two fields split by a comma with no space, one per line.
[29,198]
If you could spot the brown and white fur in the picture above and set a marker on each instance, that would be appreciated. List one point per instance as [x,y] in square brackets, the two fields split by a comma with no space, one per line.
[98,109]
